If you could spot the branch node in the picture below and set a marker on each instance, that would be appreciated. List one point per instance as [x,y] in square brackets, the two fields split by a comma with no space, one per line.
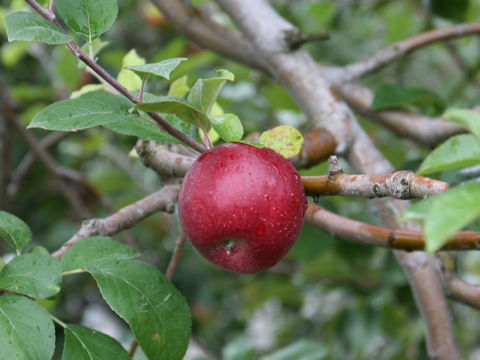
[334,170]
[296,38]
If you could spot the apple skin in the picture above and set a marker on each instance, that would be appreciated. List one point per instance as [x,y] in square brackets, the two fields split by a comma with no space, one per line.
[242,207]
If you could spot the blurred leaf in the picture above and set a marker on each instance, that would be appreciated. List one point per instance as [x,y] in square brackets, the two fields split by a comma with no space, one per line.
[155,310]
[458,151]
[86,89]
[26,330]
[204,92]
[418,210]
[284,139]
[239,349]
[469,119]
[393,96]
[36,274]
[127,78]
[451,10]
[92,250]
[228,126]
[162,68]
[91,109]
[173,105]
[179,87]
[300,350]
[82,343]
[88,18]
[14,231]
[451,212]
[27,26]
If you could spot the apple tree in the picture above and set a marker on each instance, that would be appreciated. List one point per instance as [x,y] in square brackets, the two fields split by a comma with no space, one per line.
[239,179]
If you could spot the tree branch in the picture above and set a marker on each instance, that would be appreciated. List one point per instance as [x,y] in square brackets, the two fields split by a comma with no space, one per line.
[423,130]
[401,185]
[462,291]
[172,265]
[372,235]
[125,218]
[400,49]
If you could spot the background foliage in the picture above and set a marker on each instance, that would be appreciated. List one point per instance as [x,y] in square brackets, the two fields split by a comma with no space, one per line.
[335,299]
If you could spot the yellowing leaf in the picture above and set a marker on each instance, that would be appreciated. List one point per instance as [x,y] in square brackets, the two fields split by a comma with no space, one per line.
[284,139]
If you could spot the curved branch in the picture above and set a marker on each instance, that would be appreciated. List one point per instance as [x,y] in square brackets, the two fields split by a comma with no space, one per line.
[402,48]
[401,185]
[125,218]
[423,130]
[462,291]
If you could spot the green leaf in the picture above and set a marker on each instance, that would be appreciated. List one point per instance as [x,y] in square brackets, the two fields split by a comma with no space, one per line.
[300,350]
[284,139]
[469,119]
[91,109]
[36,274]
[82,343]
[27,26]
[173,105]
[86,89]
[417,211]
[26,330]
[451,10]
[458,151]
[393,96]
[228,126]
[204,92]
[162,68]
[449,213]
[155,310]
[92,250]
[179,88]
[129,79]
[88,18]
[14,231]
[142,128]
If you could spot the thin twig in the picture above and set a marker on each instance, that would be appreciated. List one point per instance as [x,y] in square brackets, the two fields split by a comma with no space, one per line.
[172,265]
[400,49]
[78,53]
[125,218]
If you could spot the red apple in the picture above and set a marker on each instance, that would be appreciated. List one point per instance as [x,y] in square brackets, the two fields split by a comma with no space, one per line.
[242,207]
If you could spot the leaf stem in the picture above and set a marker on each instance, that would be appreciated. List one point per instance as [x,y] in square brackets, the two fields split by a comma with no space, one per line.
[58,321]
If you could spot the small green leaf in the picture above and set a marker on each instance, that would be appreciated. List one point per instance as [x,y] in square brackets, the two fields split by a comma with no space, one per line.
[284,139]
[204,92]
[82,343]
[91,109]
[179,88]
[26,330]
[300,350]
[417,211]
[127,78]
[27,26]
[162,68]
[155,310]
[458,151]
[14,231]
[451,212]
[92,250]
[393,96]
[88,18]
[239,349]
[173,105]
[228,126]
[36,274]
[469,119]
